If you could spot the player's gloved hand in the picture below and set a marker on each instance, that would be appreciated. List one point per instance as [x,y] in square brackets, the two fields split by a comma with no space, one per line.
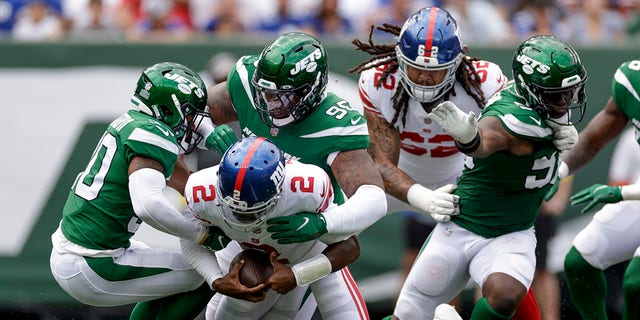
[564,137]
[462,126]
[440,204]
[597,193]
[300,227]
[215,239]
[220,139]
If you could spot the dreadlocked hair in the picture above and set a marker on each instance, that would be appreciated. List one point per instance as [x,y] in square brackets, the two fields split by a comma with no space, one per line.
[385,54]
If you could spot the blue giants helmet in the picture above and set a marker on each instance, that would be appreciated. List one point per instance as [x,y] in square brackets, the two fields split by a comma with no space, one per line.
[250,179]
[429,40]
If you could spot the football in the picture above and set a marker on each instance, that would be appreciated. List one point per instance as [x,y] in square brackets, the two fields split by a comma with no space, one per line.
[256,269]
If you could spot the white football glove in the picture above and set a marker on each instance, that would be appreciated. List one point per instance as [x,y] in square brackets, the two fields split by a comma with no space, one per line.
[205,128]
[564,137]
[440,204]
[463,127]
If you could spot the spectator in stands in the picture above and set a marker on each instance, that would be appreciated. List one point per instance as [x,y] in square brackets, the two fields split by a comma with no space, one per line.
[285,20]
[537,17]
[395,12]
[38,23]
[592,21]
[226,20]
[472,17]
[94,18]
[328,22]
[8,13]
[162,20]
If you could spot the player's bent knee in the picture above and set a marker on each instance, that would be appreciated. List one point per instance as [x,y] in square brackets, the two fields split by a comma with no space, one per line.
[574,263]
[438,271]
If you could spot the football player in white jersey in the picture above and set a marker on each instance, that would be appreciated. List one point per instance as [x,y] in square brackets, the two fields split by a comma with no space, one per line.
[250,185]
[418,161]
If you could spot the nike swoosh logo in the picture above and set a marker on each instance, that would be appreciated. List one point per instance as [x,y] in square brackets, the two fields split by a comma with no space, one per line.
[165,131]
[306,220]
[537,121]
[354,121]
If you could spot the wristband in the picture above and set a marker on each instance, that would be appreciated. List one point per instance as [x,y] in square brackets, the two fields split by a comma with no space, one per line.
[415,193]
[469,147]
[563,170]
[311,270]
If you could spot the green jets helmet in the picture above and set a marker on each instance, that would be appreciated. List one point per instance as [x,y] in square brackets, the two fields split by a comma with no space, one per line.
[173,94]
[290,79]
[549,75]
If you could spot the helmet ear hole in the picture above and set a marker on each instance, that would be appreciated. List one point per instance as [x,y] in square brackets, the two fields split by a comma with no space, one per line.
[166,110]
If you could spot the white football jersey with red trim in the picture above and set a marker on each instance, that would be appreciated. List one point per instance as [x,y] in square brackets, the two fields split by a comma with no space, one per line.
[306,188]
[427,153]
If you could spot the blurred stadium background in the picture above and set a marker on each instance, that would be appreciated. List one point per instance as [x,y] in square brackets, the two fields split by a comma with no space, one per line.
[58,96]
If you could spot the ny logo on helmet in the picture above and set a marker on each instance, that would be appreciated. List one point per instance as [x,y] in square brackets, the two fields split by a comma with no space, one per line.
[307,63]
[530,65]
[185,85]
[278,176]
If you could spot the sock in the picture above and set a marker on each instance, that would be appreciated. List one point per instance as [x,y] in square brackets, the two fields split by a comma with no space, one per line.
[528,308]
[631,291]
[587,286]
[185,305]
[483,311]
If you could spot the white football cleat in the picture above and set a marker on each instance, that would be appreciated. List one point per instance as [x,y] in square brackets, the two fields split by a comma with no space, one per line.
[446,312]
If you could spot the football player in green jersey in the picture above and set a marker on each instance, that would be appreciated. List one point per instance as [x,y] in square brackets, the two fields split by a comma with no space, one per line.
[613,235]
[281,95]
[513,162]
[94,258]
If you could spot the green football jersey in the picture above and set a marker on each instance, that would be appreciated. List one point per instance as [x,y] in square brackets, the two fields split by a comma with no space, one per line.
[98,213]
[625,90]
[331,127]
[502,193]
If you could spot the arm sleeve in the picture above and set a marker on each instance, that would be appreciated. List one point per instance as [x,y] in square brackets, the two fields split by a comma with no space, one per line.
[203,260]
[367,205]
[149,203]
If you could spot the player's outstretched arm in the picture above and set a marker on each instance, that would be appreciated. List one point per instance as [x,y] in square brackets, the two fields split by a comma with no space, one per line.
[600,193]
